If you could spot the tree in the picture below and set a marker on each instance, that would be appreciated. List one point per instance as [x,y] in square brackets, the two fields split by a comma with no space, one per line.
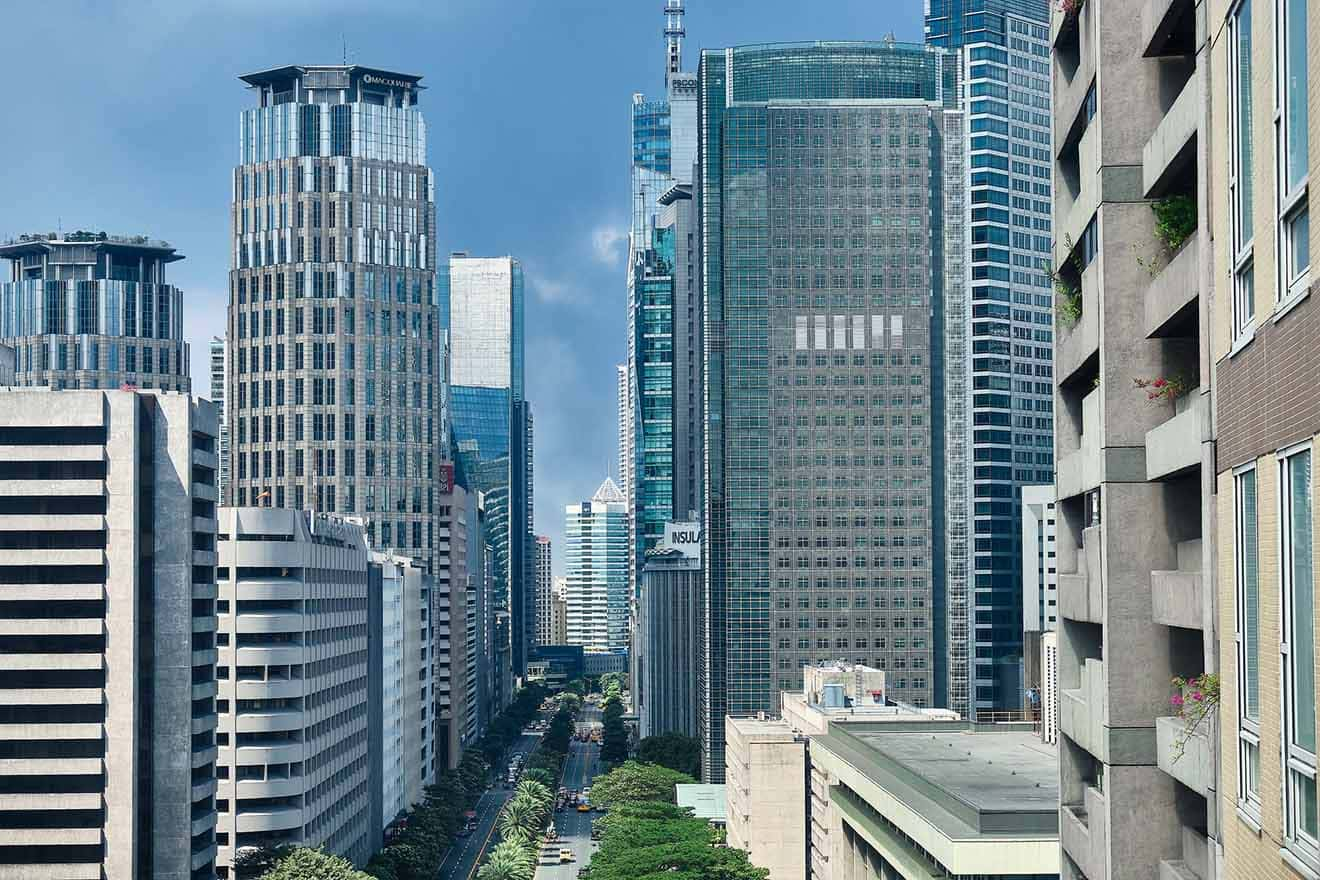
[632,783]
[676,751]
[254,861]
[577,686]
[508,861]
[301,863]
[541,775]
[535,791]
[520,820]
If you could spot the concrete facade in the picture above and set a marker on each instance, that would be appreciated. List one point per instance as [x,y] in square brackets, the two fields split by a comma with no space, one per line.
[765,785]
[1265,347]
[219,374]
[665,645]
[293,678]
[1135,489]
[544,592]
[107,644]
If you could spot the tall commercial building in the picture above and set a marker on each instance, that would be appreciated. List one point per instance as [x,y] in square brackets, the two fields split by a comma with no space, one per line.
[219,374]
[559,612]
[107,560]
[294,677]
[1003,54]
[596,569]
[90,310]
[831,221]
[624,416]
[1260,71]
[1040,593]
[334,333]
[664,649]
[1135,509]
[482,301]
[545,581]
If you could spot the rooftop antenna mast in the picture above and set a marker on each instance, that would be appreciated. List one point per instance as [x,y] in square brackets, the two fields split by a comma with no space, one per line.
[674,34]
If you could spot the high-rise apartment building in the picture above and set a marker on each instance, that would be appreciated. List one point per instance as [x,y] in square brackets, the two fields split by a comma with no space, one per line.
[90,310]
[219,373]
[596,570]
[834,367]
[559,612]
[1040,593]
[294,677]
[334,333]
[1003,54]
[1135,449]
[107,560]
[482,299]
[1262,80]
[545,580]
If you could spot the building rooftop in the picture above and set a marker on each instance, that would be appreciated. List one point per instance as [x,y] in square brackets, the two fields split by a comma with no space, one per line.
[707,801]
[277,75]
[763,729]
[969,781]
[45,242]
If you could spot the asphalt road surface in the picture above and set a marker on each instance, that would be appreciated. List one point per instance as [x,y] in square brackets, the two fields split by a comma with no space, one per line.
[574,828]
[465,855]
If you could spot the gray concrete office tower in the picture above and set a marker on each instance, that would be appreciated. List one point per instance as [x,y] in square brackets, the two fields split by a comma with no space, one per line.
[107,643]
[1003,52]
[1137,503]
[830,180]
[90,310]
[665,646]
[219,371]
[293,683]
[334,333]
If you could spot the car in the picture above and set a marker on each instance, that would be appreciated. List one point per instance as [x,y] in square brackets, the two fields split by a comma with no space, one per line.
[566,856]
[584,808]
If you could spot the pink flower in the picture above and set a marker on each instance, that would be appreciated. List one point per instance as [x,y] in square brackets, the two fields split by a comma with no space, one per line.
[1197,696]
[1176,700]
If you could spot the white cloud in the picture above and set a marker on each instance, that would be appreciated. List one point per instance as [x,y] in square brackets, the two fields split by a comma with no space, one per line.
[554,291]
[610,243]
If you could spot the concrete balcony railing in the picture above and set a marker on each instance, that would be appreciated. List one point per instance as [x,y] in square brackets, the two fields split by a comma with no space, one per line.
[1173,143]
[1075,212]
[1195,863]
[1175,446]
[1194,767]
[267,819]
[1081,469]
[1178,597]
[270,622]
[1082,710]
[1084,833]
[269,788]
[1159,19]
[1171,297]
[263,722]
[1081,593]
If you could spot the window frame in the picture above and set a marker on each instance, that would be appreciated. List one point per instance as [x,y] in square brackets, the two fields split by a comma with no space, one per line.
[1289,204]
[1297,761]
[1244,306]
[1248,728]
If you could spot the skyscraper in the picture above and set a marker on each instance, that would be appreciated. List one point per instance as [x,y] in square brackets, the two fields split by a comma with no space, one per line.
[544,591]
[1003,54]
[90,310]
[219,374]
[107,589]
[334,331]
[482,301]
[831,205]
[596,570]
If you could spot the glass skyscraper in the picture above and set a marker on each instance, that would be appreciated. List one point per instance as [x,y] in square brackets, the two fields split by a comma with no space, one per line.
[482,303]
[831,213]
[596,570]
[1003,48]
[334,389]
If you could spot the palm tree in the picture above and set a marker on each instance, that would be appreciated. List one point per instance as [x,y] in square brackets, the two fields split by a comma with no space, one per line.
[520,820]
[508,861]
[535,791]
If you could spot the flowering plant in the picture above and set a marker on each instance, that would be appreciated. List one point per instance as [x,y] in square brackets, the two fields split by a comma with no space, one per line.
[1168,388]
[1071,7]
[1196,699]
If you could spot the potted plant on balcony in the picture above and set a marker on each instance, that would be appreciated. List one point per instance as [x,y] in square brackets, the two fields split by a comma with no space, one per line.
[1195,701]
[1067,293]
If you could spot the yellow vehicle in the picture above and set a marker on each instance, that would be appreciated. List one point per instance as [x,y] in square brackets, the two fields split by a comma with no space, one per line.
[565,856]
[584,808]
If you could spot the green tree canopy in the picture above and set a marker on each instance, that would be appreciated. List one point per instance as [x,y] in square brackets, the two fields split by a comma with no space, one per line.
[633,782]
[542,776]
[508,861]
[301,863]
[673,750]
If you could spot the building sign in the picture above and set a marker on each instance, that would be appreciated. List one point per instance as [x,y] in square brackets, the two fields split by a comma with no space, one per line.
[685,537]
[446,477]
[373,80]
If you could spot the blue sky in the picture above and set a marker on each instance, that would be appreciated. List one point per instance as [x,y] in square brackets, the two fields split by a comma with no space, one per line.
[122,116]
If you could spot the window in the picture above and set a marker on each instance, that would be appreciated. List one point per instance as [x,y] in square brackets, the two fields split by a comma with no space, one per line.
[1248,642]
[1297,648]
[1241,167]
[1290,136]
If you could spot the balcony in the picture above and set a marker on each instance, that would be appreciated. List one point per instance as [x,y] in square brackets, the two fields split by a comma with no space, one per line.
[59,871]
[1075,210]
[267,818]
[1175,446]
[1167,26]
[1195,767]
[1081,593]
[1084,832]
[1081,469]
[1082,711]
[264,722]
[1173,143]
[1195,863]
[1171,299]
[1178,597]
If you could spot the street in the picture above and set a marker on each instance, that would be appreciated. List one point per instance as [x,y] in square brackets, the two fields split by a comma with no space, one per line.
[461,861]
[574,828]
